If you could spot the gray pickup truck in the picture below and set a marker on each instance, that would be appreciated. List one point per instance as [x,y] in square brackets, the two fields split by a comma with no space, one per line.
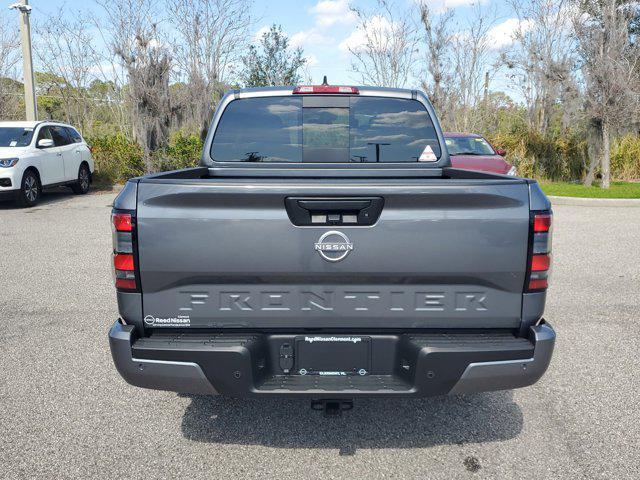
[326,248]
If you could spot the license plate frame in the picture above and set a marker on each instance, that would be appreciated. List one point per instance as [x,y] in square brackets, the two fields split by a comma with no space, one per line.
[333,355]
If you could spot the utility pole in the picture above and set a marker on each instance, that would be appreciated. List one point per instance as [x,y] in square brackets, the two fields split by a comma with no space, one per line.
[30,102]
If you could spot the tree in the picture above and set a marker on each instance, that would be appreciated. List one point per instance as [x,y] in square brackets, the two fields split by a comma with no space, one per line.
[438,40]
[50,98]
[212,35]
[387,52]
[610,67]
[542,58]
[136,42]
[458,65]
[472,66]
[65,52]
[9,57]
[272,63]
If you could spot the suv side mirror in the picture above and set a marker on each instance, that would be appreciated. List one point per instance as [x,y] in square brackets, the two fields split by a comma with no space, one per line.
[45,143]
[501,152]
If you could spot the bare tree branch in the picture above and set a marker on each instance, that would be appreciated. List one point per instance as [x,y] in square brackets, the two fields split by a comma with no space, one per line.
[9,58]
[542,60]
[65,51]
[137,42]
[388,51]
[211,37]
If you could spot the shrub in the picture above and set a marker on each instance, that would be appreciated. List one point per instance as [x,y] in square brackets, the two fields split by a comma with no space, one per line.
[117,158]
[544,157]
[556,158]
[183,151]
[625,158]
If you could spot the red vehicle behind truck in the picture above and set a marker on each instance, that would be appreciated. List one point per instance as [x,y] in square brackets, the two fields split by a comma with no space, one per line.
[470,151]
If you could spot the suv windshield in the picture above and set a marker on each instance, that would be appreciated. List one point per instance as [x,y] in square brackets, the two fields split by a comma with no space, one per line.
[468,146]
[15,136]
[325,129]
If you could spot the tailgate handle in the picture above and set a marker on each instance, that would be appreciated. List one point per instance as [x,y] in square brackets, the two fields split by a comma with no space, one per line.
[342,206]
[333,211]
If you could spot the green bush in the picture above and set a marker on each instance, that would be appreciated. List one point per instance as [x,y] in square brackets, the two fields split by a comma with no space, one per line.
[537,156]
[117,158]
[555,158]
[183,151]
[625,158]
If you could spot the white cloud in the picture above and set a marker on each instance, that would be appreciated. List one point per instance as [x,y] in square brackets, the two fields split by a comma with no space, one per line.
[377,27]
[330,12]
[401,119]
[504,33]
[310,37]
[258,36]
[278,109]
[304,37]
[312,60]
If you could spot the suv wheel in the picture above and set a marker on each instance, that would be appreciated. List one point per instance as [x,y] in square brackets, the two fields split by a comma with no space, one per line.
[84,180]
[30,190]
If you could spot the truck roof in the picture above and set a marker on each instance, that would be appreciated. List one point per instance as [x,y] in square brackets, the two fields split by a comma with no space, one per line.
[288,89]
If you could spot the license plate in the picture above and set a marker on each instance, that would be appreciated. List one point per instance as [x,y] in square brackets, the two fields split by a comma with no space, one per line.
[333,355]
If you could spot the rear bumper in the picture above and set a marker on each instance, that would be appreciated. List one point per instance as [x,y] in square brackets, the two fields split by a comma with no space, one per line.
[185,377]
[407,365]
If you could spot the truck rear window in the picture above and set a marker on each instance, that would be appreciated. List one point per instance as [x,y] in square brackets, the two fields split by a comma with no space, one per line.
[353,129]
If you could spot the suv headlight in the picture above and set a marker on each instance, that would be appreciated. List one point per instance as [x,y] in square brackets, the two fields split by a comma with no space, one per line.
[8,162]
[513,172]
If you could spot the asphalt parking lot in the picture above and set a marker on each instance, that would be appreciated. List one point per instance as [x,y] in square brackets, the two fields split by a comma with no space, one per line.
[65,412]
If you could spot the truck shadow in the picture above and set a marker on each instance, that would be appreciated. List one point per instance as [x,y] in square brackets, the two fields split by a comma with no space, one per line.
[49,197]
[57,195]
[373,423]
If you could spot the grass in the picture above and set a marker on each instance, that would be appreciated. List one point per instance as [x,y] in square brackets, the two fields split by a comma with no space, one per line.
[617,190]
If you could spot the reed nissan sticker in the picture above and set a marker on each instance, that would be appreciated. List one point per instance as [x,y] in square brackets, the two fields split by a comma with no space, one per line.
[179,321]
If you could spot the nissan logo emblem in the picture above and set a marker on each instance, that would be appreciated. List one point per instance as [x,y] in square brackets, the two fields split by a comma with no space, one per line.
[334,246]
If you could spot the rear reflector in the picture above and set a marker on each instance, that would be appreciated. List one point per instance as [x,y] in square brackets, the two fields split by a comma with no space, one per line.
[540,262]
[123,261]
[325,89]
[122,222]
[125,274]
[538,284]
[126,283]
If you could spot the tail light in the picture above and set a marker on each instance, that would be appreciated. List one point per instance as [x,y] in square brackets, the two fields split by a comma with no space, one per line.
[539,258]
[124,256]
[326,89]
[122,222]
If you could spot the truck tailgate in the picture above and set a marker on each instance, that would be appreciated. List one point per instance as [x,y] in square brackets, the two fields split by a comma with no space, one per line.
[224,253]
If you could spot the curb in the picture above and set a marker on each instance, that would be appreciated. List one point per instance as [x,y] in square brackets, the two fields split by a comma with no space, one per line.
[595,202]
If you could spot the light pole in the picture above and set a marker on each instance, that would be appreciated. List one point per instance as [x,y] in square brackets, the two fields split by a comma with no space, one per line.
[30,102]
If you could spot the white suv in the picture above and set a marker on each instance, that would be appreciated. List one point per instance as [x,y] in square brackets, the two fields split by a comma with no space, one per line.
[37,155]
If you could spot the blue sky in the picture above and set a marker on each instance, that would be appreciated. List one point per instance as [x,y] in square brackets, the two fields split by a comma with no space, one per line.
[325,28]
